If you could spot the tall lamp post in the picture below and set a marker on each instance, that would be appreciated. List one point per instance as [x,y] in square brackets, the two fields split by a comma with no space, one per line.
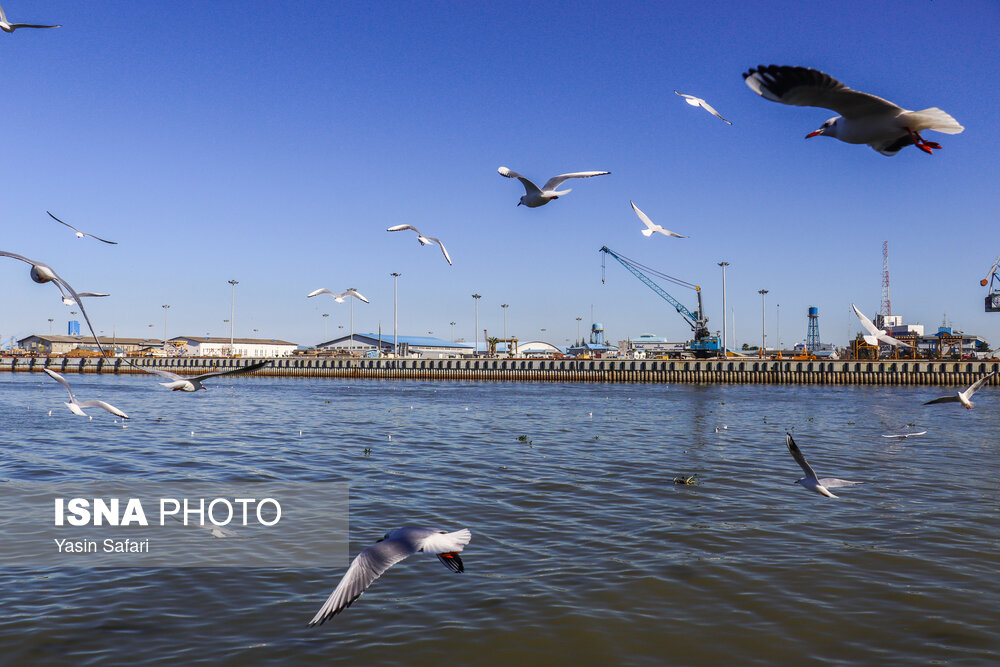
[50,326]
[395,339]
[452,331]
[325,316]
[578,320]
[763,320]
[165,308]
[777,327]
[475,349]
[505,306]
[725,339]
[232,315]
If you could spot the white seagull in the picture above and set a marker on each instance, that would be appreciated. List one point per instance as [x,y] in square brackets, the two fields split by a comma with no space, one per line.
[70,301]
[876,335]
[181,383]
[43,273]
[75,406]
[424,240]
[7,26]
[811,481]
[964,397]
[651,227]
[339,297]
[394,547]
[863,119]
[904,436]
[535,197]
[80,234]
[698,102]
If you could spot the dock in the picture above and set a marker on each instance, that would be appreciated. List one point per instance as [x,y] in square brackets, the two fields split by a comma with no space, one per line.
[669,371]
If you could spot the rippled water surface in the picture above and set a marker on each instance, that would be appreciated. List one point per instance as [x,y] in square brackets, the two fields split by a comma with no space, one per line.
[584,550]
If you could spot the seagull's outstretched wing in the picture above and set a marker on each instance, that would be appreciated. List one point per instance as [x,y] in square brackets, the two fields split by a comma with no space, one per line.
[833,482]
[875,332]
[443,249]
[61,380]
[232,371]
[799,458]
[806,87]
[156,371]
[323,290]
[81,232]
[356,294]
[944,399]
[399,228]
[366,568]
[104,406]
[529,187]
[556,181]
[978,384]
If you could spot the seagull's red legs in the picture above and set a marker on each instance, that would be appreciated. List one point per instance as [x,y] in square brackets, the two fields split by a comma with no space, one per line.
[920,143]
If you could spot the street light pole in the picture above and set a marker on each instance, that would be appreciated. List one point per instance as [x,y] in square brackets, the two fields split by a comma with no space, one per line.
[325,315]
[50,326]
[578,320]
[165,307]
[452,331]
[232,315]
[763,320]
[725,338]
[777,326]
[395,339]
[504,306]
[475,349]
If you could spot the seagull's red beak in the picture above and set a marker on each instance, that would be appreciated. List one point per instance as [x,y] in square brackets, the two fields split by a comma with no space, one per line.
[815,133]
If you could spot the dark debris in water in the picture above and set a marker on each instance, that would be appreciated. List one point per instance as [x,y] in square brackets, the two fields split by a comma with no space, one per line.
[688,480]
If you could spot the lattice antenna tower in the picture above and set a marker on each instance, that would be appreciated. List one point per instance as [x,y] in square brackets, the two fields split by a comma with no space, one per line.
[886,303]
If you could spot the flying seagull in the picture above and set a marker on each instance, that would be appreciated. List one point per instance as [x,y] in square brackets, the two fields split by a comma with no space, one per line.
[43,273]
[964,396]
[424,240]
[876,335]
[863,119]
[7,26]
[181,383]
[75,406]
[698,102]
[904,436]
[394,547]
[651,227]
[339,298]
[70,301]
[80,234]
[534,196]
[811,481]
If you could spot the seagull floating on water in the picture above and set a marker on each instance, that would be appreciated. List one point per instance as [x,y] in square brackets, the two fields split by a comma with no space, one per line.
[193,383]
[75,406]
[535,196]
[863,119]
[80,234]
[698,102]
[964,397]
[394,547]
[339,297]
[811,481]
[7,26]
[43,273]
[876,335]
[904,436]
[424,240]
[652,227]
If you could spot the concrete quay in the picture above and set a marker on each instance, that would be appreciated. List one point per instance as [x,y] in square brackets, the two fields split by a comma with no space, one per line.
[734,371]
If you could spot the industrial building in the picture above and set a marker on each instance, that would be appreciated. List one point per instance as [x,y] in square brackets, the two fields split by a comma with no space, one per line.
[426,347]
[50,344]
[203,346]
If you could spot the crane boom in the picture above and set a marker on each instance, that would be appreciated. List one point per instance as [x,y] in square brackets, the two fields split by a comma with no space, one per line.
[703,341]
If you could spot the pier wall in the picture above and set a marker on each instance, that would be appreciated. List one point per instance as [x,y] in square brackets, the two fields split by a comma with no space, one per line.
[733,371]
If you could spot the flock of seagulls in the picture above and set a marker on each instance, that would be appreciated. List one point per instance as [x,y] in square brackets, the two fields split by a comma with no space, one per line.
[863,119]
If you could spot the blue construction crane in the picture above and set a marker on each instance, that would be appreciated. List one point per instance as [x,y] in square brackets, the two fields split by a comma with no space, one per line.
[704,344]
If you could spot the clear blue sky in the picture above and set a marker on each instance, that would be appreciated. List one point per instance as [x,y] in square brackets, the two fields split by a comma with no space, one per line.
[273,143]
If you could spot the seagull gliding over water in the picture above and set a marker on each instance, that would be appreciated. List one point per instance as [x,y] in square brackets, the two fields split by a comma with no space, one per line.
[964,397]
[75,406]
[876,335]
[193,383]
[394,547]
[811,481]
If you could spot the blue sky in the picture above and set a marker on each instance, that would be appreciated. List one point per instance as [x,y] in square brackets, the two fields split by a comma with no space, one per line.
[273,143]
